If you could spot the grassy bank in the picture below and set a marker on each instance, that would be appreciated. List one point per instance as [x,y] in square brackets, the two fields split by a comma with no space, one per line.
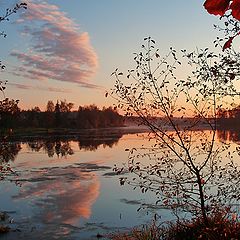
[222,225]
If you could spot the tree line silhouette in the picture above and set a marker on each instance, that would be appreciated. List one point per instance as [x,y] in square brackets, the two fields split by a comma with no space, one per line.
[229,118]
[59,115]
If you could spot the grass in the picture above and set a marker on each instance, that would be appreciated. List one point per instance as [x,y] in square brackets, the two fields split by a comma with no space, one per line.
[221,225]
[145,232]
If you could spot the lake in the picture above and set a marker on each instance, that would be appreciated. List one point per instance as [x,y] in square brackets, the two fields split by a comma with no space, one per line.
[66,188]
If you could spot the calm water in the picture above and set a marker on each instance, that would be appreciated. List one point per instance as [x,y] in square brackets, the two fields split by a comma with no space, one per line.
[66,188]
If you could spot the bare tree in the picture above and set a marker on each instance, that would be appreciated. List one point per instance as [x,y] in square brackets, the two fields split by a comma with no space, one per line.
[7,107]
[5,17]
[182,163]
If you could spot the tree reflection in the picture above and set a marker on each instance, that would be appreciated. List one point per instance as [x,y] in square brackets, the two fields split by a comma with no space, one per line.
[229,135]
[9,151]
[61,146]
[63,149]
[52,146]
[92,143]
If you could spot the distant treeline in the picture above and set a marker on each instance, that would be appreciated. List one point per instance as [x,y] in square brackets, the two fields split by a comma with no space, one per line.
[59,115]
[229,118]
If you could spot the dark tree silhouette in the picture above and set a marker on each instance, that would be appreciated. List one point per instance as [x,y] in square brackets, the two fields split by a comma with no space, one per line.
[8,108]
[3,18]
[9,112]
[50,106]
[58,116]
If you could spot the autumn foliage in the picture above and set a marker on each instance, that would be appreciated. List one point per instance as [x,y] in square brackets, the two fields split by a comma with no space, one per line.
[223,225]
[220,7]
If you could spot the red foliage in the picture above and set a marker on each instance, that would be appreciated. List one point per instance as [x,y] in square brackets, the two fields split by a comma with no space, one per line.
[235,6]
[228,43]
[219,7]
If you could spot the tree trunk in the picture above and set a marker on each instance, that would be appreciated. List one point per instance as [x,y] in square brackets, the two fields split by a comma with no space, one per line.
[203,208]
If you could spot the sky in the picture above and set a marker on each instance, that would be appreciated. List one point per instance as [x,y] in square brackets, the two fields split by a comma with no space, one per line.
[60,49]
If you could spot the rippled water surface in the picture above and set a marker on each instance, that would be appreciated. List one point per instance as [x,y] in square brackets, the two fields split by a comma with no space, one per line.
[66,188]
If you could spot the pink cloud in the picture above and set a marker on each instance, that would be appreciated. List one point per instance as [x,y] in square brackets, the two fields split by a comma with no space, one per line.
[58,50]
[50,89]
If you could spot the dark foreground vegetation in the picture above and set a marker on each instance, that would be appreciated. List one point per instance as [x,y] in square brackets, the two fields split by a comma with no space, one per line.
[222,225]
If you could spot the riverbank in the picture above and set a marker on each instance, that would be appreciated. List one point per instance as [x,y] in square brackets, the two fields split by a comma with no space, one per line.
[32,133]
[222,224]
[68,133]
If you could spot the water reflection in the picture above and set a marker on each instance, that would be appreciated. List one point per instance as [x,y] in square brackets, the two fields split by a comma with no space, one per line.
[60,196]
[63,195]
[92,143]
[51,147]
[62,192]
[9,151]
[61,145]
[89,142]
[229,136]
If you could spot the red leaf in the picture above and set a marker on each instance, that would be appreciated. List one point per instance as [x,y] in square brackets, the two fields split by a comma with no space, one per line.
[217,7]
[228,43]
[235,6]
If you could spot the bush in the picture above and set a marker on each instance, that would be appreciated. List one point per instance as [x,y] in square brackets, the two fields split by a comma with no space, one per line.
[222,224]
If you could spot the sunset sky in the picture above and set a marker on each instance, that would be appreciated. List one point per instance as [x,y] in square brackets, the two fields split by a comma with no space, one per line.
[61,49]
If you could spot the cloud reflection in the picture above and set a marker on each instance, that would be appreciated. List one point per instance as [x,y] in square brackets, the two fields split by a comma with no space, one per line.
[63,195]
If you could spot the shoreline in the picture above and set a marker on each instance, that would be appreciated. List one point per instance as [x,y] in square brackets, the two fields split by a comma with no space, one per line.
[66,133]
